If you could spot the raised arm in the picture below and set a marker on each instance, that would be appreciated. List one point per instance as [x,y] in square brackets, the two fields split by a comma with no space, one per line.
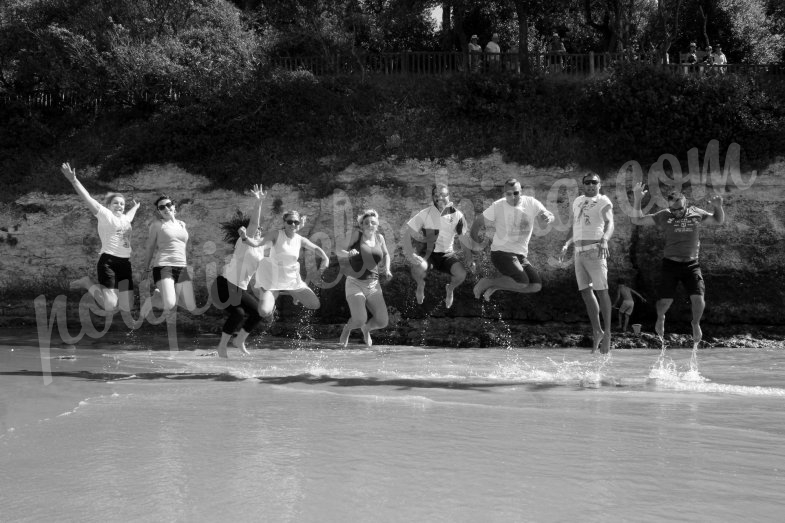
[256,215]
[70,175]
[638,218]
[718,216]
[132,211]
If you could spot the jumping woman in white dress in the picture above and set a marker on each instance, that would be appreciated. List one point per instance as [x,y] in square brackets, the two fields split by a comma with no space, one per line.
[280,271]
[115,286]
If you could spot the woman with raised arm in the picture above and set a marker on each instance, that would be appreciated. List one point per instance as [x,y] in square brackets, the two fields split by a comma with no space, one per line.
[280,272]
[367,250]
[115,287]
[168,237]
[230,291]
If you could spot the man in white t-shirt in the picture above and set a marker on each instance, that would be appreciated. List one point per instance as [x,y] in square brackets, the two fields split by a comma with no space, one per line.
[513,218]
[493,52]
[436,227]
[592,227]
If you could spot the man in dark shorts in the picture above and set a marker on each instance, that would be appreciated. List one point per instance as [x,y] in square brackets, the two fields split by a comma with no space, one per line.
[513,217]
[436,227]
[681,225]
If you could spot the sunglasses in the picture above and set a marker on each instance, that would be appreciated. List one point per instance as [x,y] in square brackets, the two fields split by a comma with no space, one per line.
[591,182]
[672,197]
[293,222]
[167,205]
[513,193]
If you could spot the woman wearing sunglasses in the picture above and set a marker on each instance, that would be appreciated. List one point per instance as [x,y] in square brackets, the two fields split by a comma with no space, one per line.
[115,287]
[280,272]
[167,238]
[365,253]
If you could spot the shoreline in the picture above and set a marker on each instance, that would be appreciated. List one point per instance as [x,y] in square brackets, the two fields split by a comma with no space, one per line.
[449,332]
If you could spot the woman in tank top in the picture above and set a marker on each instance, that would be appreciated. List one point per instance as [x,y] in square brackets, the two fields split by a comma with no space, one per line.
[167,238]
[230,290]
[115,286]
[367,250]
[280,271]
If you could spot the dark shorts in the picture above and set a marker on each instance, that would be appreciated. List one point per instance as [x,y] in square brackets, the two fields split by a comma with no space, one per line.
[688,273]
[516,266]
[443,261]
[178,274]
[113,271]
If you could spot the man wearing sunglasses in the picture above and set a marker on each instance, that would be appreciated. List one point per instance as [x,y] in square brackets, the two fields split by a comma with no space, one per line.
[592,228]
[513,218]
[681,225]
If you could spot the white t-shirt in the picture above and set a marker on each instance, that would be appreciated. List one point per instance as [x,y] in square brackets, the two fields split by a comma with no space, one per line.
[445,222]
[242,267]
[587,220]
[514,225]
[115,233]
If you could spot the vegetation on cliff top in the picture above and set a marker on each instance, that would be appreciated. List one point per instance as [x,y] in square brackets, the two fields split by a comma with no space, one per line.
[301,129]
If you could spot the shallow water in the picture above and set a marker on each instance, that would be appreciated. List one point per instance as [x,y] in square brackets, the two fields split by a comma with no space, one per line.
[304,431]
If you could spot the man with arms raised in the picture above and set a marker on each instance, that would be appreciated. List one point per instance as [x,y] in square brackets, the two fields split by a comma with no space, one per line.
[681,225]
[513,218]
[592,228]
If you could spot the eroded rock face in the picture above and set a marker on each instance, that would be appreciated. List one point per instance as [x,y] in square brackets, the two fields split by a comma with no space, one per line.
[45,241]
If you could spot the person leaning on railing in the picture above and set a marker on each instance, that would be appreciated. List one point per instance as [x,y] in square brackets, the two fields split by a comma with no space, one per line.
[718,59]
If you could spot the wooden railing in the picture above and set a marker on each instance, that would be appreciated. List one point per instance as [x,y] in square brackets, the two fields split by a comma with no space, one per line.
[446,63]
[434,63]
[404,63]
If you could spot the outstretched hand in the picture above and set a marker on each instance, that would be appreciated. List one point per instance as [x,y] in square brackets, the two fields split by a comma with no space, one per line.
[242,232]
[68,172]
[639,190]
[716,201]
[258,191]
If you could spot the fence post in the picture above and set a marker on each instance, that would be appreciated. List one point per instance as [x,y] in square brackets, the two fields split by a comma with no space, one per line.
[591,63]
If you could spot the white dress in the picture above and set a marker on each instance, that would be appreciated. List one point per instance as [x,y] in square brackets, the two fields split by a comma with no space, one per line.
[281,270]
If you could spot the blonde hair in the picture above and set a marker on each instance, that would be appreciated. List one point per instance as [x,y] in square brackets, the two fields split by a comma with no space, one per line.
[365,214]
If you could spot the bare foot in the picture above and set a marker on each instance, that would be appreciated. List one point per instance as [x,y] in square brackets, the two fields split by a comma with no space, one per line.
[605,347]
[596,340]
[659,327]
[697,334]
[488,293]
[448,297]
[82,283]
[420,293]
[367,335]
[236,343]
[344,339]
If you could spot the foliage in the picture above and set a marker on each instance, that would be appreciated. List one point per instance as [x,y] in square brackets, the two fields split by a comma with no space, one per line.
[647,111]
[125,48]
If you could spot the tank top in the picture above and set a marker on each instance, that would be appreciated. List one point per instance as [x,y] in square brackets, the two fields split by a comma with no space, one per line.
[365,264]
[171,240]
[242,267]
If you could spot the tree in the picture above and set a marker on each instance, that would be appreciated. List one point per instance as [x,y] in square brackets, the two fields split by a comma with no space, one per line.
[129,47]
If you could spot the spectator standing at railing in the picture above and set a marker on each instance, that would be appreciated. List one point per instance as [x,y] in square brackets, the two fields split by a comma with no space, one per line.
[718,59]
[557,53]
[493,51]
[692,54]
[475,54]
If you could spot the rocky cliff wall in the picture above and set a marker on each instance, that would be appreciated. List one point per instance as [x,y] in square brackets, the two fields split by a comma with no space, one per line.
[47,240]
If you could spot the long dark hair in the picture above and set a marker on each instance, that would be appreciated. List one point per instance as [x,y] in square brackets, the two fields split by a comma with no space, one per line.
[230,227]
